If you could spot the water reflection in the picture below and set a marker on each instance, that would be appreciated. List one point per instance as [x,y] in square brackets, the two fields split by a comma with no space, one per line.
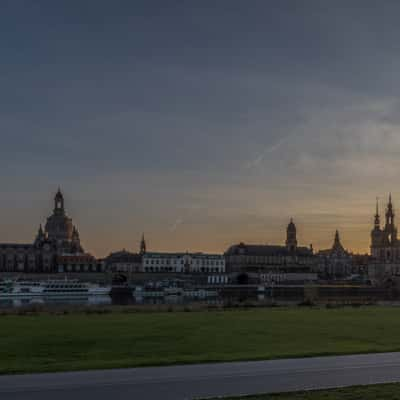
[31,301]
[126,298]
[120,299]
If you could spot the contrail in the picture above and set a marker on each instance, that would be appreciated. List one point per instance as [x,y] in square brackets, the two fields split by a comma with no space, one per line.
[175,225]
[267,150]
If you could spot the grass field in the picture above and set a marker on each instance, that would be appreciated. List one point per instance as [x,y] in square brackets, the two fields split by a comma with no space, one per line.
[79,341]
[373,392]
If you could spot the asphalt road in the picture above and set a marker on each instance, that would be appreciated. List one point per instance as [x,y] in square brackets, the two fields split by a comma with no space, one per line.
[205,380]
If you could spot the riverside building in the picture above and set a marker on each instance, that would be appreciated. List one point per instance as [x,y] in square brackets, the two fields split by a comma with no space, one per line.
[183,262]
[289,262]
[56,248]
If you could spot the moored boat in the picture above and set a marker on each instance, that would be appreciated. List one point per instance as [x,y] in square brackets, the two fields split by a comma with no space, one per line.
[53,288]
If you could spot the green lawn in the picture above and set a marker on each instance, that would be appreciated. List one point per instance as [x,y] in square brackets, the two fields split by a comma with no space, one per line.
[373,392]
[79,341]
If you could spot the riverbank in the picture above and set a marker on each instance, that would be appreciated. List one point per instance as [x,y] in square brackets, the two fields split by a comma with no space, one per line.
[90,340]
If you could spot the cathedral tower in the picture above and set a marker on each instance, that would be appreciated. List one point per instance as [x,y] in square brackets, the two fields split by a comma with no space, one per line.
[390,231]
[376,233]
[377,221]
[385,246]
[143,245]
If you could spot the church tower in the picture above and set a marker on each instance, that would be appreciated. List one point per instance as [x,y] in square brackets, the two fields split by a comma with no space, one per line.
[377,222]
[377,235]
[291,237]
[59,226]
[40,237]
[337,247]
[143,245]
[385,246]
[75,241]
[59,203]
[390,231]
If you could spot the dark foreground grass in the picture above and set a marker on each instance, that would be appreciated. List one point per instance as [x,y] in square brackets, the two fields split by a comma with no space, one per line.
[78,341]
[373,392]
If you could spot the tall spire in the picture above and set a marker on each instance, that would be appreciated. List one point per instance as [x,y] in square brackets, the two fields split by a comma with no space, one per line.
[377,217]
[337,245]
[390,212]
[337,237]
[75,234]
[143,245]
[40,237]
[390,205]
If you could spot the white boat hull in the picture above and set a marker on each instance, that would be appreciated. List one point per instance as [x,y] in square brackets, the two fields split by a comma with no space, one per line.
[54,289]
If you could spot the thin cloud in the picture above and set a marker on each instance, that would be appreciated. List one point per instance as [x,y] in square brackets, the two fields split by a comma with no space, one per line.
[176,224]
[267,150]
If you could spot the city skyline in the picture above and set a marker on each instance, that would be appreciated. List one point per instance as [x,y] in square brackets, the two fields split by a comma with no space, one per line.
[201,125]
[199,199]
[380,209]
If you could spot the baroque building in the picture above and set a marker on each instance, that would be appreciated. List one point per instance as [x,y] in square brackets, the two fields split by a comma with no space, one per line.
[123,261]
[385,246]
[56,248]
[60,231]
[126,261]
[335,262]
[277,263]
[189,263]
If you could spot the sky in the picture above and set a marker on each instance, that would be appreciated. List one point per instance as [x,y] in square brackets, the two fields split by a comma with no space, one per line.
[201,124]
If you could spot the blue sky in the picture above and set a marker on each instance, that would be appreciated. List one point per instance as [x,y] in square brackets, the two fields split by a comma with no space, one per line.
[200,123]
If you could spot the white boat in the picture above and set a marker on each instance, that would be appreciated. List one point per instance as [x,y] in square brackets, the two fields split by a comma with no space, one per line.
[54,288]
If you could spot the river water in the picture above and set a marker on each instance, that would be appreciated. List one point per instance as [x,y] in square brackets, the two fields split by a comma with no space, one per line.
[124,299]
[39,301]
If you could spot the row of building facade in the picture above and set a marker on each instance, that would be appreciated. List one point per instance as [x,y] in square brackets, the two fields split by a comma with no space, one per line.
[57,248]
[152,262]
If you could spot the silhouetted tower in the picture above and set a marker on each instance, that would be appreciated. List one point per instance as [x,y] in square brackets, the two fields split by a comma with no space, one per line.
[76,241]
[377,222]
[40,237]
[337,239]
[59,203]
[376,233]
[291,237]
[143,245]
[390,228]
[41,234]
[337,245]
[390,212]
